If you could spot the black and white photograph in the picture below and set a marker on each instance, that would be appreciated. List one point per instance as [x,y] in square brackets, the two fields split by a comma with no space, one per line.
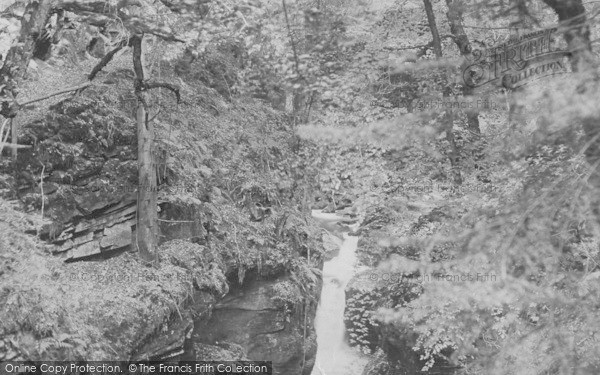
[300,187]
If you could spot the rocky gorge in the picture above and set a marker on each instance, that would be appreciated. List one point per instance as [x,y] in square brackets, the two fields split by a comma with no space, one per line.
[240,257]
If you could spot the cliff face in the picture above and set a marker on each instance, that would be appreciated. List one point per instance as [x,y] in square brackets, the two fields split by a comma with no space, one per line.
[227,208]
[263,324]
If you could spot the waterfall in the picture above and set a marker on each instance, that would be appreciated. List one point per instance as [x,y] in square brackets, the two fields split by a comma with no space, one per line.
[334,355]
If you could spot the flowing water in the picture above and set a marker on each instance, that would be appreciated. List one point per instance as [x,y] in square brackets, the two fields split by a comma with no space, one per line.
[334,355]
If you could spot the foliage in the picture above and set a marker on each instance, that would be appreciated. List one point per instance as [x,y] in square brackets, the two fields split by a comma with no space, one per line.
[287,293]
[69,312]
[518,225]
[524,212]
[360,322]
[231,163]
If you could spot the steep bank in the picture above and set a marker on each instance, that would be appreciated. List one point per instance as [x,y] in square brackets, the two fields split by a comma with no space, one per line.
[230,213]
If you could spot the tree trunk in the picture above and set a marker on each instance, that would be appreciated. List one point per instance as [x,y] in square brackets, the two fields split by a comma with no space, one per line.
[289,102]
[147,217]
[14,135]
[464,46]
[448,116]
[17,60]
[571,14]
[437,43]
[454,154]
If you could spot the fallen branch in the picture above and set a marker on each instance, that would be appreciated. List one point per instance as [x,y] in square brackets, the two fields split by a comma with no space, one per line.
[76,88]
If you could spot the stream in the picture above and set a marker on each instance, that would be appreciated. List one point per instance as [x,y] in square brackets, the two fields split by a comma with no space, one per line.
[334,354]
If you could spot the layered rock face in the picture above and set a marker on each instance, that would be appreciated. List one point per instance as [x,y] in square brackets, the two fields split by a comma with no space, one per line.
[254,322]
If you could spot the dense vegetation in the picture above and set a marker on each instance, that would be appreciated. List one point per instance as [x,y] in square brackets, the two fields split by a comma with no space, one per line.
[233,187]
[494,220]
[479,236]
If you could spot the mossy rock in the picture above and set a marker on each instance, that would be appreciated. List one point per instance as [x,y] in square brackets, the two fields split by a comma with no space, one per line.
[369,291]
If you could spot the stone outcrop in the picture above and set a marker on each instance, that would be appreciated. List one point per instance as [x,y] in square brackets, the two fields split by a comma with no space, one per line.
[110,229]
[102,233]
[251,318]
[175,341]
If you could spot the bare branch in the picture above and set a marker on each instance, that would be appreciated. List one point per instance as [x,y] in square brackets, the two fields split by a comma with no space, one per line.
[174,88]
[181,6]
[106,59]
[84,7]
[98,13]
[76,88]
[287,22]
[423,50]
[155,116]
[138,25]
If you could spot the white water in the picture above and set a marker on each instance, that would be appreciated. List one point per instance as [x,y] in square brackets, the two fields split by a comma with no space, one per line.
[334,355]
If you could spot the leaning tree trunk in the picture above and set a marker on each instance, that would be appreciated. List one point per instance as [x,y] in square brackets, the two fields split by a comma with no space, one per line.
[17,60]
[147,217]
